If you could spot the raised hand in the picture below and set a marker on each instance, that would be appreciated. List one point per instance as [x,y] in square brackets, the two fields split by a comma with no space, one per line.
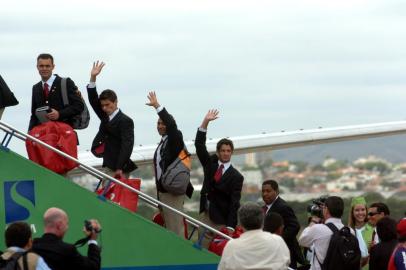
[153,100]
[212,115]
[96,69]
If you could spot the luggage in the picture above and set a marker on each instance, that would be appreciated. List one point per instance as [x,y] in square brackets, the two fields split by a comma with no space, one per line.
[121,195]
[80,121]
[218,243]
[176,178]
[56,134]
[158,218]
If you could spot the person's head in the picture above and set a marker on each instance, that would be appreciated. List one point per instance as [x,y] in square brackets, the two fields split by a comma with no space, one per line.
[225,148]
[386,229]
[270,191]
[251,216]
[358,213]
[377,211]
[401,230]
[56,222]
[108,101]
[18,234]
[333,207]
[273,223]
[45,66]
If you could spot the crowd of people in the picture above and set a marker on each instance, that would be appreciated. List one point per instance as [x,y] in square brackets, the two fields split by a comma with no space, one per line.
[271,239]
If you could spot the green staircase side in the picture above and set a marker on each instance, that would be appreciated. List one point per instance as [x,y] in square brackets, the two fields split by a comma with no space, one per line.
[128,240]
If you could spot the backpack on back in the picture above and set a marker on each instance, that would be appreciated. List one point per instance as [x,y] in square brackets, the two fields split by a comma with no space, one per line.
[343,251]
[12,262]
[80,121]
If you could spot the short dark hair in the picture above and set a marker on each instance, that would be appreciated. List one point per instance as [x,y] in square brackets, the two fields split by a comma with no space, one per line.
[386,229]
[45,56]
[335,206]
[17,234]
[381,208]
[272,183]
[251,216]
[226,142]
[273,221]
[109,95]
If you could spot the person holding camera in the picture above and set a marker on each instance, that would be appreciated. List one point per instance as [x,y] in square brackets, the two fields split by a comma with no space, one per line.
[319,235]
[63,256]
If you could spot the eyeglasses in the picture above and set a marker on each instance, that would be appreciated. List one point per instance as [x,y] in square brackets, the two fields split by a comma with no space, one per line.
[371,214]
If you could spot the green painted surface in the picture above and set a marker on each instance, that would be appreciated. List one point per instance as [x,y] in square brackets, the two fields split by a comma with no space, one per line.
[128,240]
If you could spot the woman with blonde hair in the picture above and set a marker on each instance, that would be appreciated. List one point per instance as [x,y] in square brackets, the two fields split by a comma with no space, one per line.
[358,220]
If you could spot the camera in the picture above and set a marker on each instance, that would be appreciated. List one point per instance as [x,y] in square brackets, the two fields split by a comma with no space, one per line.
[316,207]
[89,227]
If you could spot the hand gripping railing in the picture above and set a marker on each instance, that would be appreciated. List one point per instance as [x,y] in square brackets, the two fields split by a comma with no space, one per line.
[11,131]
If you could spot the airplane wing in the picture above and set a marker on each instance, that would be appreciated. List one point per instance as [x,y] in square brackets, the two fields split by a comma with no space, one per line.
[270,141]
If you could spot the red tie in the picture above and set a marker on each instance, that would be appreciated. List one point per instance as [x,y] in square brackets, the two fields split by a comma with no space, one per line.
[219,173]
[46,90]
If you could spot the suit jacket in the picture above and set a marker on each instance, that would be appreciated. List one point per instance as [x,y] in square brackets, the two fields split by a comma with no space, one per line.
[290,230]
[55,101]
[63,256]
[117,136]
[7,97]
[224,196]
[171,149]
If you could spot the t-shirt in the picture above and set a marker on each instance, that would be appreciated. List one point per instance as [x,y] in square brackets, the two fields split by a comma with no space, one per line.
[400,258]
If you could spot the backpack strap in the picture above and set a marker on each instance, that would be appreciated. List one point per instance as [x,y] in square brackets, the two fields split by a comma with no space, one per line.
[64,92]
[332,227]
[25,261]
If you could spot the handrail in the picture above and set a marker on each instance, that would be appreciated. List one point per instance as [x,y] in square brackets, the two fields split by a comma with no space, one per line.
[23,136]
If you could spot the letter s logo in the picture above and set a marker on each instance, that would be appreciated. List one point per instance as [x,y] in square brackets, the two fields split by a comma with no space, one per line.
[19,197]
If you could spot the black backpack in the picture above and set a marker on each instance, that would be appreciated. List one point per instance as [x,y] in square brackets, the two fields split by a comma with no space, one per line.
[343,251]
[12,262]
[80,121]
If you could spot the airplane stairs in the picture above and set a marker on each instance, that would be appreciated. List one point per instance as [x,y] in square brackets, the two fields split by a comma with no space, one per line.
[128,240]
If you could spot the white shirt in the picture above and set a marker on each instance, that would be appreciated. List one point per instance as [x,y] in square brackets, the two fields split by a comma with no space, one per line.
[50,81]
[41,264]
[111,116]
[226,166]
[255,249]
[270,205]
[158,157]
[362,245]
[319,235]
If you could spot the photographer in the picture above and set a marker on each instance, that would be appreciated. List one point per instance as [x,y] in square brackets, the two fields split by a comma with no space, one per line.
[60,255]
[318,234]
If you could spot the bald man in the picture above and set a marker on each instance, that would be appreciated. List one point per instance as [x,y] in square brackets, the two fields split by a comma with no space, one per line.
[60,255]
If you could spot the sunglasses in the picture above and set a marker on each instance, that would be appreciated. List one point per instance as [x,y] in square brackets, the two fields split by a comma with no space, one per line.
[371,214]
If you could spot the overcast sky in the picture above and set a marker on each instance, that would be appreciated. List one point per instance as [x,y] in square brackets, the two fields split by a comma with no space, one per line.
[266,65]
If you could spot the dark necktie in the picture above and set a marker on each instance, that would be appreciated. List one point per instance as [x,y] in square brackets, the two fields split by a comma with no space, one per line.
[265,209]
[46,90]
[219,173]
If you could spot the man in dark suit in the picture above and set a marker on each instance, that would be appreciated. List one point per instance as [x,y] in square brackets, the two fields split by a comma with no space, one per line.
[167,151]
[115,138]
[274,203]
[60,255]
[221,191]
[48,93]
